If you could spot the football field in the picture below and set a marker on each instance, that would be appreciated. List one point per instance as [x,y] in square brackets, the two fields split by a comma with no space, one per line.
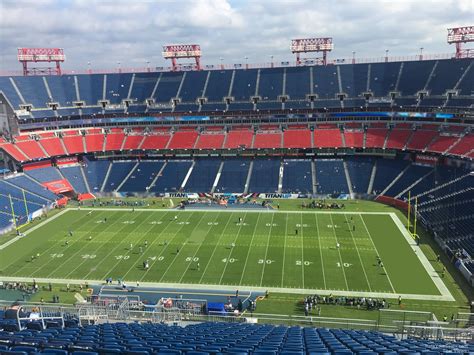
[304,252]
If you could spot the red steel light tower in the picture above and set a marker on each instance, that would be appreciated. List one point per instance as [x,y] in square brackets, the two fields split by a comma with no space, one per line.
[176,51]
[35,55]
[305,45]
[460,35]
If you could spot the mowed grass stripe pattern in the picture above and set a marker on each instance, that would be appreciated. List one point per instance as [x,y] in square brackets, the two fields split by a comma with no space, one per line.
[289,250]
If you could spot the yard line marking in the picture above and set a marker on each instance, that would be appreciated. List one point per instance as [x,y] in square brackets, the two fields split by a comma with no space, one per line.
[32,229]
[42,251]
[339,252]
[423,259]
[370,237]
[58,244]
[302,250]
[229,210]
[176,256]
[199,247]
[215,248]
[167,246]
[231,250]
[248,251]
[149,247]
[266,250]
[138,242]
[284,250]
[114,235]
[320,249]
[360,259]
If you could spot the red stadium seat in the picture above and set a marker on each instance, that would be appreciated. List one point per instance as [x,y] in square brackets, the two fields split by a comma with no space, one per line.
[94,141]
[210,141]
[297,138]
[133,142]
[354,138]
[183,140]
[397,138]
[52,145]
[31,148]
[239,138]
[14,152]
[327,138]
[464,146]
[375,137]
[420,139]
[156,141]
[442,143]
[267,140]
[73,142]
[114,140]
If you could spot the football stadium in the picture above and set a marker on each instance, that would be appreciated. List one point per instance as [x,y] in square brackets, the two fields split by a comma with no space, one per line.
[316,206]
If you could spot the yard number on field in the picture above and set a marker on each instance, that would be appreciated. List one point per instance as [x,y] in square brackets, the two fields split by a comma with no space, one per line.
[88,256]
[56,255]
[345,264]
[305,263]
[122,257]
[263,261]
[230,260]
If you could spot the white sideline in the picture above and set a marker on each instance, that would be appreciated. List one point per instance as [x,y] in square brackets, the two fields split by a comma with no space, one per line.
[443,290]
[445,294]
[11,241]
[233,288]
[230,210]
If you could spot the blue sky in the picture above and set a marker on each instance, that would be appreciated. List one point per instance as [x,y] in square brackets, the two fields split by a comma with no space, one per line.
[105,32]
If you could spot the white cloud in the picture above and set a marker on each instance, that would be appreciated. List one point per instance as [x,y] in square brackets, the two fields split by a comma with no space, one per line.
[106,31]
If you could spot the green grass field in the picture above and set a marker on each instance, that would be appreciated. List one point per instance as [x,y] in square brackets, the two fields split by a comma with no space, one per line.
[215,249]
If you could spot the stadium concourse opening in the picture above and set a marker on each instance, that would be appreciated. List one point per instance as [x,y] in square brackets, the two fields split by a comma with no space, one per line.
[336,194]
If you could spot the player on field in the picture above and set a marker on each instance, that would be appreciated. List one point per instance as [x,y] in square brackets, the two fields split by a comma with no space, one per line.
[146,243]
[338,245]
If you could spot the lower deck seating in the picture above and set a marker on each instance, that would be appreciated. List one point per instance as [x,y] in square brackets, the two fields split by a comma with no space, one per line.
[172,176]
[95,172]
[214,338]
[297,177]
[117,174]
[265,175]
[233,176]
[142,177]
[203,175]
[74,175]
[330,177]
[360,170]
